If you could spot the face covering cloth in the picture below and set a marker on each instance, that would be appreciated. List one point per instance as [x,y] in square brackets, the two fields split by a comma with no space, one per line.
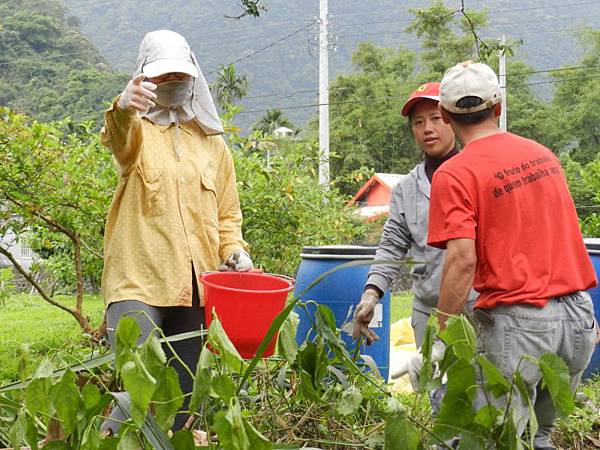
[171,51]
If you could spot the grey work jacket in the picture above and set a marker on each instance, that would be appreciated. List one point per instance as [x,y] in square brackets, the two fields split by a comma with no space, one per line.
[406,229]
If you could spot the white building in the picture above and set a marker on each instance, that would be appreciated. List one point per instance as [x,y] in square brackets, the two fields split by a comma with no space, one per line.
[18,248]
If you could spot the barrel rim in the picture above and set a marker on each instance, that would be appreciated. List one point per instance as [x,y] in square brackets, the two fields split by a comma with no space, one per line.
[592,245]
[340,250]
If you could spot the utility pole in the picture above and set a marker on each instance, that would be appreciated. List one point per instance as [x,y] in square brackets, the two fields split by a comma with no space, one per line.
[502,80]
[323,95]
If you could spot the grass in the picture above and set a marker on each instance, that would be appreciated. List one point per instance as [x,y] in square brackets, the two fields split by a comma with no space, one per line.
[401,306]
[48,330]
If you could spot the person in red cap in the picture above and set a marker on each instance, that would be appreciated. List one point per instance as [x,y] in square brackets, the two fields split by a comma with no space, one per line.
[406,227]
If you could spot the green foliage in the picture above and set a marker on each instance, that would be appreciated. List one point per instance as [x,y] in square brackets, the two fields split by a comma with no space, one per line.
[283,205]
[56,181]
[366,128]
[229,86]
[273,119]
[48,69]
[575,99]
[343,407]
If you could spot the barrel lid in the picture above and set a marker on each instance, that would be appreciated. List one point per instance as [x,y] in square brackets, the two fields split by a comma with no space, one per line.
[339,252]
[592,244]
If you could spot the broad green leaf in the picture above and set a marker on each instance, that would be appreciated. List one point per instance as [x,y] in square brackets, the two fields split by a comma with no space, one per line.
[307,387]
[32,435]
[223,387]
[128,441]
[287,347]
[400,433]
[350,401]
[153,356]
[456,412]
[487,416]
[218,339]
[37,396]
[44,370]
[91,396]
[66,399]
[460,334]
[326,322]
[495,383]
[520,385]
[229,426]
[126,335]
[471,441]
[202,380]
[140,385]
[183,440]
[167,398]
[508,439]
[18,430]
[257,440]
[313,363]
[555,378]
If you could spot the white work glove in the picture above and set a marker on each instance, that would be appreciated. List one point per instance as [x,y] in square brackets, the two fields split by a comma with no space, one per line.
[138,95]
[238,261]
[363,314]
[415,364]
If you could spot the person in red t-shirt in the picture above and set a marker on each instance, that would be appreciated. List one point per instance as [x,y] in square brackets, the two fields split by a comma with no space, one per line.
[503,211]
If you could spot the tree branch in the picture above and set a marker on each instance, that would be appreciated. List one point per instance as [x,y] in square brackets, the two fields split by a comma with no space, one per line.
[30,279]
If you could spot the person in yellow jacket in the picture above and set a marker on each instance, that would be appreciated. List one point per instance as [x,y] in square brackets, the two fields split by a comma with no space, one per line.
[176,211]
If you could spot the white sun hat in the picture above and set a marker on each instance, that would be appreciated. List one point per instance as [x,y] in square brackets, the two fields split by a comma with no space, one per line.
[166,51]
[469,79]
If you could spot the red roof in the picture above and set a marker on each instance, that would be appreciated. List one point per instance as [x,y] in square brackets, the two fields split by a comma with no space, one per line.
[386,180]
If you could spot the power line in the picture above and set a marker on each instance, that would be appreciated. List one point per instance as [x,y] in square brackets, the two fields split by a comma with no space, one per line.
[388,97]
[497,11]
[269,45]
[513,74]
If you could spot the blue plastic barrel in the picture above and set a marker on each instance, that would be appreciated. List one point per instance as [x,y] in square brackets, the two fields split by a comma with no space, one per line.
[341,292]
[593,248]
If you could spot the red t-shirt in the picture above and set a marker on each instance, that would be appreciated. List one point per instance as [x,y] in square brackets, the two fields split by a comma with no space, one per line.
[509,194]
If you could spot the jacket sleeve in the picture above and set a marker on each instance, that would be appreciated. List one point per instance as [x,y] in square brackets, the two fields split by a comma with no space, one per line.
[395,241]
[122,134]
[228,203]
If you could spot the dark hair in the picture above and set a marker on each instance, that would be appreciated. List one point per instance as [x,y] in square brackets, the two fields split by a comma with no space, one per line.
[474,117]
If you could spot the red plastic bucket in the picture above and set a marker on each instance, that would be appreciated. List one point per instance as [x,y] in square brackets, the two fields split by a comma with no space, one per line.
[246,303]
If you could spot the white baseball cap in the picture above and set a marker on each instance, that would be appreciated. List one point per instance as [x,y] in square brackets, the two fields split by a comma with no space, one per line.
[165,52]
[469,79]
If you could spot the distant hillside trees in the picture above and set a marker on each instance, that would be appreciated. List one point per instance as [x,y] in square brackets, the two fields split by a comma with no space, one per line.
[48,69]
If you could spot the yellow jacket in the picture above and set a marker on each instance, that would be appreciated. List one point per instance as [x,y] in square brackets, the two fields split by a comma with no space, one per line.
[168,211]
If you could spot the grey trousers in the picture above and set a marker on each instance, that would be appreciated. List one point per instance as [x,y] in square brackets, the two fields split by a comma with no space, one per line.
[565,327]
[172,320]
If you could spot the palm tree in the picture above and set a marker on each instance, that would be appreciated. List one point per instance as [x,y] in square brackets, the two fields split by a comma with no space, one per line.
[273,119]
[229,86]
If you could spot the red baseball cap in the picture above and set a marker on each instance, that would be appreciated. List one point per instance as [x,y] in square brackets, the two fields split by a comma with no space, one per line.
[426,90]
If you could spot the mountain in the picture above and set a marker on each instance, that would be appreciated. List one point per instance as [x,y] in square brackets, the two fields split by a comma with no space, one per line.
[279,50]
[48,68]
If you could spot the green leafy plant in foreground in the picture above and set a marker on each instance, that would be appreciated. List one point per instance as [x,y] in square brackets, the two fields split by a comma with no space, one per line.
[319,393]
